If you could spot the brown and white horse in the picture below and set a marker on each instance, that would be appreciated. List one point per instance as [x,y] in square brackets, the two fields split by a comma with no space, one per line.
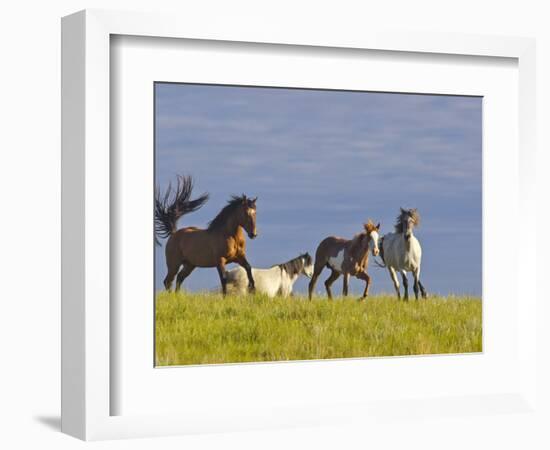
[347,257]
[223,242]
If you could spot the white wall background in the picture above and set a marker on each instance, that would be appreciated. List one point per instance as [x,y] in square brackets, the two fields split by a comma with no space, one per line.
[30,197]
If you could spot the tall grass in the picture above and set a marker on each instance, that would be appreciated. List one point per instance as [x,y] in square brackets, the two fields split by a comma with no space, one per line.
[204,328]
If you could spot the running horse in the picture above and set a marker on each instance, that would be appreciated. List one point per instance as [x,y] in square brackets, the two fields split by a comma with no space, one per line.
[401,252]
[223,242]
[347,257]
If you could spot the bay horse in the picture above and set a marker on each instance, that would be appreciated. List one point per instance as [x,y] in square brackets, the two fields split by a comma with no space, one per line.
[401,252]
[223,242]
[347,257]
[277,280]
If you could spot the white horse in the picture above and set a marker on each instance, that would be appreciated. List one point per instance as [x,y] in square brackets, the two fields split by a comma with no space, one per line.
[401,252]
[277,280]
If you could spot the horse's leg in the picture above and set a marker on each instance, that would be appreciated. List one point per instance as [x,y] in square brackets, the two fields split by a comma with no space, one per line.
[316,272]
[393,276]
[364,276]
[223,276]
[172,271]
[183,274]
[328,283]
[406,285]
[173,263]
[415,286]
[246,266]
[422,290]
[346,285]
[418,284]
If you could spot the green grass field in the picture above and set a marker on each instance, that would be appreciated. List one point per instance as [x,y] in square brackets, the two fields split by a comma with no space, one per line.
[204,328]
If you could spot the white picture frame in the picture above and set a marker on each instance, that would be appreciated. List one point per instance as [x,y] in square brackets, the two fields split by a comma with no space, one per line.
[87,383]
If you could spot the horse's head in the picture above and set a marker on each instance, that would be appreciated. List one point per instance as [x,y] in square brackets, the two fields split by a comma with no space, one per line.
[406,221]
[307,269]
[247,216]
[372,237]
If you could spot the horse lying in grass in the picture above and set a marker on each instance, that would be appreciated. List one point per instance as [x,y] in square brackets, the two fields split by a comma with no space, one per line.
[223,242]
[347,257]
[277,280]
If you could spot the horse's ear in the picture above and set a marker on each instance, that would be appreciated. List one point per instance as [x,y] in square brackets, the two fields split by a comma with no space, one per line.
[402,210]
[254,200]
[378,226]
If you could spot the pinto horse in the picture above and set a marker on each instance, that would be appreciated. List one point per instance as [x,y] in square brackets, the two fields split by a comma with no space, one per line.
[223,242]
[277,280]
[348,257]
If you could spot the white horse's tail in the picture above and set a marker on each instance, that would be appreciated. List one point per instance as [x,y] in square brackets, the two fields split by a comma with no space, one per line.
[383,263]
[379,264]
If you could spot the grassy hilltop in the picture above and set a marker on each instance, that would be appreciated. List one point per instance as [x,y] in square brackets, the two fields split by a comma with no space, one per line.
[204,328]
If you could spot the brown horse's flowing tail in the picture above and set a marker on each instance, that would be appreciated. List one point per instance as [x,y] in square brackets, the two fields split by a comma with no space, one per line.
[174,204]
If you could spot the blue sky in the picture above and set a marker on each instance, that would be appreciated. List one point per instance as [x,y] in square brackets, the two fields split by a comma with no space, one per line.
[322,163]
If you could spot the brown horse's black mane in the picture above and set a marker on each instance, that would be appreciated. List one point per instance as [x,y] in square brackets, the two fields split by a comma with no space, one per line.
[296,265]
[227,211]
[412,213]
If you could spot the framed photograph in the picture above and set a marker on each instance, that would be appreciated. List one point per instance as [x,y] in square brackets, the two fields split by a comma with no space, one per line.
[256,222]
[286,144]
